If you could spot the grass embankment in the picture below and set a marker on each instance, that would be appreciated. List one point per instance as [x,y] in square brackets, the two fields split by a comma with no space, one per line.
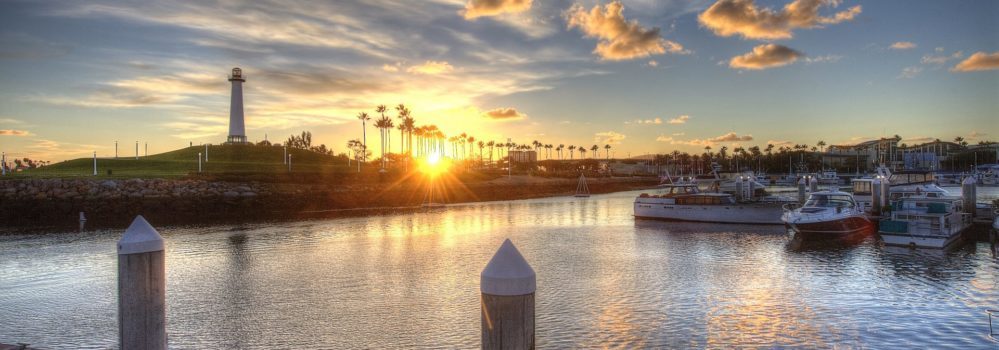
[222,159]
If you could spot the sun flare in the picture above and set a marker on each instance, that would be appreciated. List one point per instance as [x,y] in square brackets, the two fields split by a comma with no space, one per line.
[434,165]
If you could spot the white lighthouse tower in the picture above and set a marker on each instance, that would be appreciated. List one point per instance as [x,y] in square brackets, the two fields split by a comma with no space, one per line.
[237,130]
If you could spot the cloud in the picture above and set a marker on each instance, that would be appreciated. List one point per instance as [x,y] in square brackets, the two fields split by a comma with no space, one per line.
[608,137]
[903,45]
[431,68]
[618,38]
[823,59]
[481,8]
[11,132]
[975,135]
[939,60]
[19,46]
[731,137]
[742,17]
[648,121]
[765,56]
[978,61]
[653,63]
[680,120]
[778,143]
[391,67]
[504,114]
[909,72]
[679,133]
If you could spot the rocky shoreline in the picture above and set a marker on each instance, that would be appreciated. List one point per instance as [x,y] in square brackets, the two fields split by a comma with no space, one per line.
[112,203]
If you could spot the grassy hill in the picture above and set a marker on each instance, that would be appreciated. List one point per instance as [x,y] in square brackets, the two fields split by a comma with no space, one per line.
[222,159]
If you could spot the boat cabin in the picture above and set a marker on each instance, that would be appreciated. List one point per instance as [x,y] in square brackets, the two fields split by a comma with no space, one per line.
[830,200]
[910,177]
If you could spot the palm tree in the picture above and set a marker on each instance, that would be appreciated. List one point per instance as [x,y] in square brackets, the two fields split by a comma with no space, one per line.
[595,148]
[607,151]
[822,145]
[364,129]
[491,144]
[384,124]
[582,152]
[481,146]
[571,150]
[559,149]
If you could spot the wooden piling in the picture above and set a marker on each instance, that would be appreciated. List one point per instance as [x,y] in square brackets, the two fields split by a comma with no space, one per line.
[801,191]
[141,288]
[508,284]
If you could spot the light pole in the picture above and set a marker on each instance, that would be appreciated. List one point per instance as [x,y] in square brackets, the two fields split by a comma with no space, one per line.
[136,150]
[95,163]
[116,149]
[206,153]
[199,162]
[289,163]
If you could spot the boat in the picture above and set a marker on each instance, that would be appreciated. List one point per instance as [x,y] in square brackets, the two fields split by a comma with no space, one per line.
[686,202]
[912,183]
[581,189]
[825,215]
[828,177]
[924,222]
[724,182]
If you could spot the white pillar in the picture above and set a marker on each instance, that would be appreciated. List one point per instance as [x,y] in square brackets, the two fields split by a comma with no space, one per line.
[95,163]
[508,284]
[206,153]
[286,154]
[136,150]
[116,150]
[141,288]
[199,162]
[289,162]
[146,154]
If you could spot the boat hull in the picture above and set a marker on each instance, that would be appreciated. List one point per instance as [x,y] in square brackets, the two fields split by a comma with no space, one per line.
[832,228]
[760,214]
[922,241]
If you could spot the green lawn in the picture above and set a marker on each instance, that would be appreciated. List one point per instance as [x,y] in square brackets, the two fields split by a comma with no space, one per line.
[222,159]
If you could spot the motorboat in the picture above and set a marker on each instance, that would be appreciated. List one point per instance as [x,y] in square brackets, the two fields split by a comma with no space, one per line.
[825,215]
[686,202]
[924,222]
[913,183]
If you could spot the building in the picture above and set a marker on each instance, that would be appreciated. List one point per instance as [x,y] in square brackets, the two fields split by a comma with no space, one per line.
[237,129]
[524,156]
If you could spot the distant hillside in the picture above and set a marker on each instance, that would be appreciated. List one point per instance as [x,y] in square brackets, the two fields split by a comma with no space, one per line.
[221,159]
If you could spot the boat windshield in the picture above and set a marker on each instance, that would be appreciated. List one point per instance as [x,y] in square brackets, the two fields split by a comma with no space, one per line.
[829,201]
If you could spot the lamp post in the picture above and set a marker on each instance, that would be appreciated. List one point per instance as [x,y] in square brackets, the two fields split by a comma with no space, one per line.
[116,149]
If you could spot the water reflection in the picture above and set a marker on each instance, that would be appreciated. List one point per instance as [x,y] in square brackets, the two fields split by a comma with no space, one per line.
[604,280]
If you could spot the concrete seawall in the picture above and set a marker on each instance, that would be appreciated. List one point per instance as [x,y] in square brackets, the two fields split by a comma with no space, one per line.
[30,203]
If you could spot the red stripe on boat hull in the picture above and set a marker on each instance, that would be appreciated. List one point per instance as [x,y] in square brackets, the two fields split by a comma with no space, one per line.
[835,228]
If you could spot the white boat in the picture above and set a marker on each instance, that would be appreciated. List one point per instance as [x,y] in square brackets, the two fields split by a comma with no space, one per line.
[828,177]
[826,215]
[919,184]
[685,202]
[724,182]
[925,222]
[581,189]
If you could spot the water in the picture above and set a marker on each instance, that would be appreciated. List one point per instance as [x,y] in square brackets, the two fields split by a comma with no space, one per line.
[411,281]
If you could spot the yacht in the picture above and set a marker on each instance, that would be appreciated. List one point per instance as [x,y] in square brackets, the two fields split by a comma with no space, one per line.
[827,214]
[686,202]
[925,222]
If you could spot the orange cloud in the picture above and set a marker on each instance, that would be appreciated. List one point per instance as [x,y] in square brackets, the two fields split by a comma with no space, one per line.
[903,45]
[504,114]
[619,39]
[431,68]
[679,120]
[978,61]
[765,56]
[9,132]
[482,8]
[731,137]
[742,17]
[608,137]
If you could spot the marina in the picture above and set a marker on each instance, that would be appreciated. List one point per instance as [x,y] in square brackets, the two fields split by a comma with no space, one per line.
[604,279]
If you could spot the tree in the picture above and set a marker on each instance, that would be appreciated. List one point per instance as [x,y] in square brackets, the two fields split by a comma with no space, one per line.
[363,116]
[595,148]
[572,149]
[607,151]
[384,125]
[822,145]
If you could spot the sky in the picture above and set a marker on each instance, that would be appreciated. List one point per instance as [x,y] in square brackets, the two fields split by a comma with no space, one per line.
[641,75]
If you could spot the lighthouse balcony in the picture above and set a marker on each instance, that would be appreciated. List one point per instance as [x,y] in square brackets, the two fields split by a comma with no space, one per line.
[236,139]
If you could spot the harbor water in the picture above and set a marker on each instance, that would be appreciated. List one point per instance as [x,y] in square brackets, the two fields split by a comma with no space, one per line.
[412,281]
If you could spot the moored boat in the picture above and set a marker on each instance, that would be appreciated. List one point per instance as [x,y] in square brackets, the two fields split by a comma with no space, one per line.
[685,202]
[924,222]
[825,215]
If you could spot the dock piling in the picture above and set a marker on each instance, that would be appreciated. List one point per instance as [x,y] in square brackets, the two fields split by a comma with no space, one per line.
[801,191]
[969,194]
[813,184]
[141,288]
[508,284]
[877,196]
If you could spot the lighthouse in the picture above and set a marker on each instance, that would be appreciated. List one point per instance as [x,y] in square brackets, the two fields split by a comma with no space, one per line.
[237,130]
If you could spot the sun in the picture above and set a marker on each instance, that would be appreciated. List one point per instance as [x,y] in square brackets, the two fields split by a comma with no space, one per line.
[434,165]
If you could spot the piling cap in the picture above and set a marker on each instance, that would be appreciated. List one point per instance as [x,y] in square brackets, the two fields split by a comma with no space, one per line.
[508,273]
[802,181]
[970,180]
[140,237]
